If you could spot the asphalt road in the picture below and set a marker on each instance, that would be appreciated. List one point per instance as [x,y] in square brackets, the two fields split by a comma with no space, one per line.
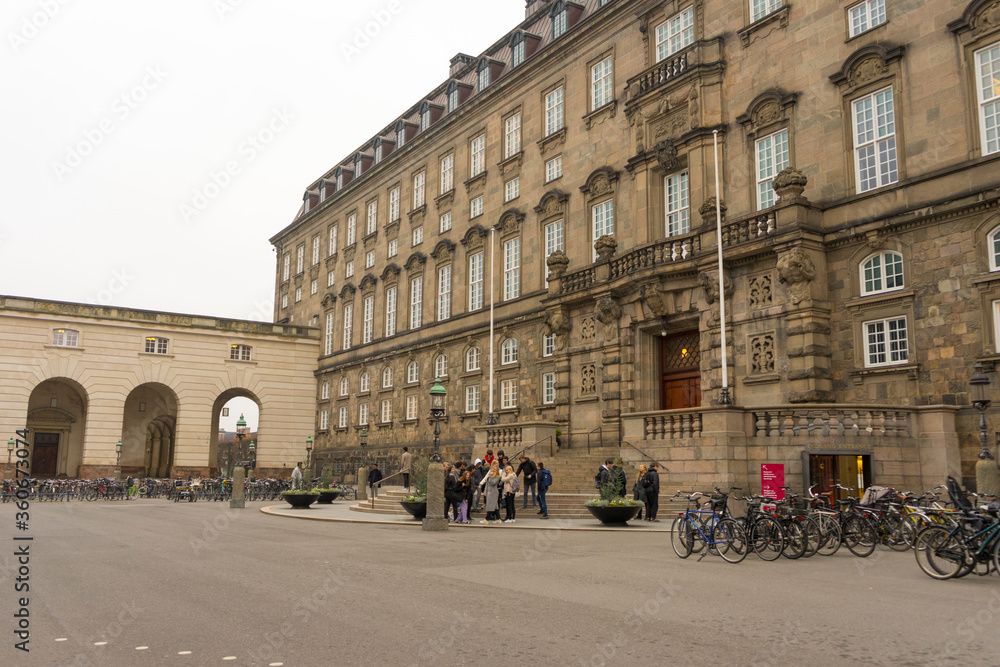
[200,584]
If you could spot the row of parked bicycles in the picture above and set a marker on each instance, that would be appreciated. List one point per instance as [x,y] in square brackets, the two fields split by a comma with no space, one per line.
[950,538]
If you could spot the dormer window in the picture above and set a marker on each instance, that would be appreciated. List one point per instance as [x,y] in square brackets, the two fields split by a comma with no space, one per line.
[560,19]
[517,49]
[484,75]
[452,97]
[425,117]
[400,134]
[378,150]
[357,165]
[322,190]
[340,180]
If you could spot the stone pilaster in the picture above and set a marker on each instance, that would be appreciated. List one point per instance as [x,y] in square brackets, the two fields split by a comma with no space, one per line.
[435,519]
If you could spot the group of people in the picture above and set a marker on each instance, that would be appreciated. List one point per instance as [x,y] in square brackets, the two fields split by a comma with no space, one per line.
[490,481]
[645,488]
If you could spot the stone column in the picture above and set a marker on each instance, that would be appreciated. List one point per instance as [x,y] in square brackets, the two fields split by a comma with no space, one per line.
[802,270]
[435,498]
[938,441]
[362,483]
[237,500]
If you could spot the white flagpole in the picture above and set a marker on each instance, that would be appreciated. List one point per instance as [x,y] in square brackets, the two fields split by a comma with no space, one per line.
[724,399]
[490,418]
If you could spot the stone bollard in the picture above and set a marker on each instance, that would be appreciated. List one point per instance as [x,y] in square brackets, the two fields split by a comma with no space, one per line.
[986,477]
[435,498]
[237,500]
[362,484]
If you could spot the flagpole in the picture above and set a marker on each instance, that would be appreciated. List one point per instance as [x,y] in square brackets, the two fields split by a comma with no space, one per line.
[724,399]
[491,417]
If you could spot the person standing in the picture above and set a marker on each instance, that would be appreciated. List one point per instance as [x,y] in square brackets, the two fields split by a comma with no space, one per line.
[544,482]
[603,475]
[297,477]
[491,482]
[478,473]
[405,465]
[652,491]
[451,497]
[639,491]
[374,477]
[509,480]
[529,469]
[463,490]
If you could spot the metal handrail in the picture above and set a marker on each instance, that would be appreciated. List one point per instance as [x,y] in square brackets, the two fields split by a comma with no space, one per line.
[382,481]
[658,462]
[588,437]
[524,449]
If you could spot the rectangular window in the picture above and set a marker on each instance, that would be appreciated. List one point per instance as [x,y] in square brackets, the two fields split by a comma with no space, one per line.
[678,216]
[300,259]
[548,345]
[425,120]
[352,229]
[444,293]
[875,140]
[603,216]
[600,84]
[394,204]
[554,111]
[508,394]
[298,294]
[445,222]
[325,392]
[553,169]
[342,422]
[548,388]
[324,420]
[372,226]
[313,286]
[411,407]
[65,337]
[511,189]
[418,190]
[988,92]
[284,301]
[559,24]
[761,8]
[453,100]
[315,255]
[288,267]
[368,328]
[390,312]
[448,173]
[476,207]
[512,136]
[416,302]
[412,372]
[553,239]
[674,34]
[378,153]
[418,235]
[349,270]
[866,15]
[772,157]
[333,241]
[476,281]
[328,335]
[886,342]
[348,325]
[369,259]
[472,398]
[484,79]
[517,54]
[393,248]
[386,410]
[512,269]
[330,278]
[478,150]
[472,360]
[156,345]
[363,414]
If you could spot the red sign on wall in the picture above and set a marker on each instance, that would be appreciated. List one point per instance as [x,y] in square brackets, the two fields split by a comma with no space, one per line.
[772,478]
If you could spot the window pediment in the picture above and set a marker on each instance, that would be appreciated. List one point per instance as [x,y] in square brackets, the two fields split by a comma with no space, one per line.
[552,204]
[444,248]
[867,65]
[510,222]
[474,238]
[416,262]
[769,109]
[981,16]
[601,182]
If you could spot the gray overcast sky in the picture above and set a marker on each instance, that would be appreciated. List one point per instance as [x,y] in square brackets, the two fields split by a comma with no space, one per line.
[118,113]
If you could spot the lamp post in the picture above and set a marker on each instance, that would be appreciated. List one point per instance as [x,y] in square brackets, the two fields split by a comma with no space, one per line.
[309,448]
[252,458]
[438,396]
[10,450]
[241,433]
[118,461]
[986,470]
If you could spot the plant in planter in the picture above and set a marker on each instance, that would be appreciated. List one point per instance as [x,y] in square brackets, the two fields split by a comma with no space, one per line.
[611,506]
[302,497]
[558,438]
[328,491]
[416,503]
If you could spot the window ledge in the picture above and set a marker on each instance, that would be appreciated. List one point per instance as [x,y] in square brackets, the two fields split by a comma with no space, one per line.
[331,260]
[382,425]
[866,33]
[69,347]
[391,227]
[156,354]
[587,399]
[599,115]
[470,415]
[511,165]
[859,375]
[476,373]
[557,138]
[988,280]
[445,199]
[417,214]
[241,361]
[765,26]
[880,298]
[410,422]
[477,182]
[385,389]
[762,379]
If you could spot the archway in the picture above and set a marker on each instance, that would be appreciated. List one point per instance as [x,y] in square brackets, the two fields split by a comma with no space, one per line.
[148,425]
[57,414]
[223,452]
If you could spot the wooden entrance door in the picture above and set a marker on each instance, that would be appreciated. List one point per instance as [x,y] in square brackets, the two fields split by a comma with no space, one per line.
[45,455]
[680,371]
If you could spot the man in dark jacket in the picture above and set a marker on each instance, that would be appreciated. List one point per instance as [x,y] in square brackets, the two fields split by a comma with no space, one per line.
[652,491]
[477,476]
[603,475]
[529,469]
[451,498]
[374,477]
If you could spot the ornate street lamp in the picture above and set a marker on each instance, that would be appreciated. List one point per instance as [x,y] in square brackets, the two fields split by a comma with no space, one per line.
[979,390]
[438,401]
[10,450]
[252,457]
[118,460]
[241,432]
[309,448]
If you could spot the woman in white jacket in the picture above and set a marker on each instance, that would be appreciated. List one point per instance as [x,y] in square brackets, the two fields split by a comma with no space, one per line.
[508,478]
[491,482]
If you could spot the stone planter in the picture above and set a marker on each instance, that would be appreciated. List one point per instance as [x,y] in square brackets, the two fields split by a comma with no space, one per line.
[417,510]
[608,515]
[300,500]
[327,496]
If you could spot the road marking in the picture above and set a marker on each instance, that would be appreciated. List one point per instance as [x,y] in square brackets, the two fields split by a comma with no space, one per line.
[230,657]
[184,653]
[276,664]
[62,639]
[100,643]
[141,648]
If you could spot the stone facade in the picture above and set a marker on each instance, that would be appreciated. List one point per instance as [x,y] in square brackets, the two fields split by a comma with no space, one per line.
[856,298]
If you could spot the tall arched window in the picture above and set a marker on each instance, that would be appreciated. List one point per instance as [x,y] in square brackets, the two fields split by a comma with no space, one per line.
[386,377]
[508,351]
[345,386]
[366,383]
[412,372]
[995,249]
[472,359]
[441,366]
[325,392]
[882,273]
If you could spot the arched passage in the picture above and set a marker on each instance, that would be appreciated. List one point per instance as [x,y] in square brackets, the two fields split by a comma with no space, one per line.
[221,452]
[148,424]
[57,414]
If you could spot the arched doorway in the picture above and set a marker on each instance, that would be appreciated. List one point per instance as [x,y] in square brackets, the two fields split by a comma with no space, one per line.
[223,449]
[680,371]
[148,424]
[57,414]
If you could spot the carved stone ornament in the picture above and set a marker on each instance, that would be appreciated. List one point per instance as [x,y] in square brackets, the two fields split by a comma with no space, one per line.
[558,324]
[707,210]
[767,113]
[693,107]
[557,262]
[608,312]
[606,246]
[796,270]
[588,379]
[588,329]
[867,70]
[789,183]
[600,186]
[653,297]
[876,239]
[988,19]
[709,282]
[666,156]
[510,223]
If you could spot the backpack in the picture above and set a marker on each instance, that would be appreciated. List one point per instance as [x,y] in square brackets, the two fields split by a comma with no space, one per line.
[545,478]
[516,485]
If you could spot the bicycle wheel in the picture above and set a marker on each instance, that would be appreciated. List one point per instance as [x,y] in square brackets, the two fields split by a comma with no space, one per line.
[736,545]
[681,539]
[349,493]
[830,536]
[767,539]
[795,540]
[897,528]
[813,537]
[859,536]
[939,552]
